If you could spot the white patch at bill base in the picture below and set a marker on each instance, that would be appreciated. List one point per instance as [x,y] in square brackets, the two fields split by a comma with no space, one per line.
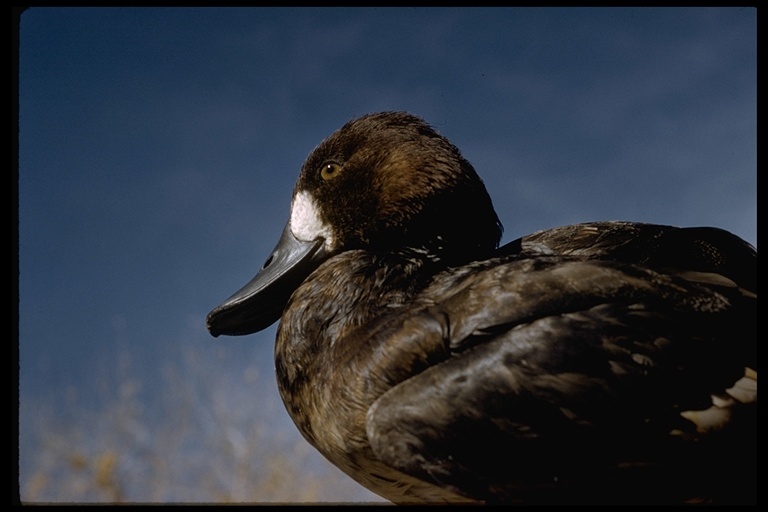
[306,224]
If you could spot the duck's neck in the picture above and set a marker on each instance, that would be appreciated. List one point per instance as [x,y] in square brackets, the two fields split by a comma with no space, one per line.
[326,376]
[325,316]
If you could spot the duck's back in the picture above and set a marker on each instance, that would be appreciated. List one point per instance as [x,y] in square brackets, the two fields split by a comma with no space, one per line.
[704,249]
[593,363]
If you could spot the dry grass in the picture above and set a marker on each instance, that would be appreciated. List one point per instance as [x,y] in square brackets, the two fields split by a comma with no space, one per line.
[196,437]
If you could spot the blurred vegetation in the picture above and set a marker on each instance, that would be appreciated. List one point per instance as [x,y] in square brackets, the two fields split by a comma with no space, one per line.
[200,433]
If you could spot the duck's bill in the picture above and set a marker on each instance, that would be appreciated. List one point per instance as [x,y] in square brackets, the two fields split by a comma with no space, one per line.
[259,304]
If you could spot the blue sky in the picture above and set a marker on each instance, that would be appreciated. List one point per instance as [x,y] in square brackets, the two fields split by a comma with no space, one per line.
[158,149]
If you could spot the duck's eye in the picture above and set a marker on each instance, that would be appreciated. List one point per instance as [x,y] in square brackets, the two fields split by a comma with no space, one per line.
[330,171]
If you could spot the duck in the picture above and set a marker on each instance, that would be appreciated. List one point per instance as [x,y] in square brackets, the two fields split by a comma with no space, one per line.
[607,362]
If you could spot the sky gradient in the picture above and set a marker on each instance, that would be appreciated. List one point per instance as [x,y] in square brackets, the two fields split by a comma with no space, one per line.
[158,149]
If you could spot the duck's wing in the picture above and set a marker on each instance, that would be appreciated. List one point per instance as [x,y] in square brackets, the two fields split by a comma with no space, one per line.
[564,379]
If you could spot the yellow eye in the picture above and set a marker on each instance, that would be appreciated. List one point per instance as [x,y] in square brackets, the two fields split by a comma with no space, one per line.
[330,171]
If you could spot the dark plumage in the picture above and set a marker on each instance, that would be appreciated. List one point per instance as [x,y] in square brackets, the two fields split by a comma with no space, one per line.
[608,362]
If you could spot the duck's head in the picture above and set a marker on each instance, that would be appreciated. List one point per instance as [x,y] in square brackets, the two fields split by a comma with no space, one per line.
[385,182]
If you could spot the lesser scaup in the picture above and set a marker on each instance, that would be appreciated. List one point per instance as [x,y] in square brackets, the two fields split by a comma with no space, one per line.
[607,362]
